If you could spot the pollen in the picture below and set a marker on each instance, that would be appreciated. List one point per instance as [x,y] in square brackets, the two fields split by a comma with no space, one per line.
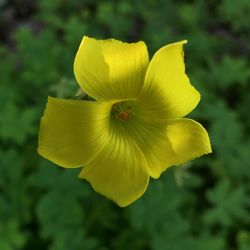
[122,114]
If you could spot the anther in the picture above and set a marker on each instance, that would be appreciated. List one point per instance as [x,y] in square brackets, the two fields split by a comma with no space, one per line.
[123,116]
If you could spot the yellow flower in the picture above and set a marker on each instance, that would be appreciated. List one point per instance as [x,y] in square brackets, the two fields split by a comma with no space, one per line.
[134,130]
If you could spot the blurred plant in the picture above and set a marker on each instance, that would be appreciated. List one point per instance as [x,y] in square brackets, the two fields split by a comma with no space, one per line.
[209,206]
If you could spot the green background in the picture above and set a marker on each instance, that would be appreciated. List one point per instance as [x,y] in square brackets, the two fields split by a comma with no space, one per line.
[203,205]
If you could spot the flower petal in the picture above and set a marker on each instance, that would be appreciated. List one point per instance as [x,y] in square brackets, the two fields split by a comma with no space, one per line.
[119,172]
[184,140]
[110,69]
[151,139]
[72,132]
[167,89]
[188,138]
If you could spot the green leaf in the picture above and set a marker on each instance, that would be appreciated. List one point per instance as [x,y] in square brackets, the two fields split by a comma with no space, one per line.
[15,124]
[229,205]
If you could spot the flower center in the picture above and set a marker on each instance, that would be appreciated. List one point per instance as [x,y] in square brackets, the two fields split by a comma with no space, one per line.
[121,111]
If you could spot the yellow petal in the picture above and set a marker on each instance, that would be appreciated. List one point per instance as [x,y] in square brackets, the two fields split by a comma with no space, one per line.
[150,137]
[110,69]
[119,172]
[72,132]
[188,138]
[160,157]
[167,89]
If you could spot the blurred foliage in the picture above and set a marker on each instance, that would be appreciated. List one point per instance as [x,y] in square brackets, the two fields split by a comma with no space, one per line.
[202,205]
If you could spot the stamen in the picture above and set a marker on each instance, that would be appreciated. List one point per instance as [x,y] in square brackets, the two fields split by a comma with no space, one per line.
[122,115]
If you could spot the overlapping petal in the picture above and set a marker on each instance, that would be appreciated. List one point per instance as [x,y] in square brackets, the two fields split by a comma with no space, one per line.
[110,69]
[150,137]
[72,132]
[167,89]
[119,171]
[188,138]
[165,143]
